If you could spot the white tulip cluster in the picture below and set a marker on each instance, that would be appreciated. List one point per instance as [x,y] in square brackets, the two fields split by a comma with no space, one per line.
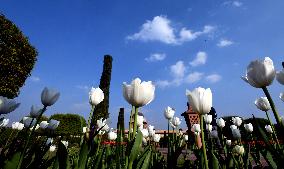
[17,126]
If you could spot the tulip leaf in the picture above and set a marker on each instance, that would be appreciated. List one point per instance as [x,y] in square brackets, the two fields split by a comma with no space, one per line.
[146,162]
[62,160]
[268,157]
[83,156]
[214,161]
[136,147]
[143,156]
[13,163]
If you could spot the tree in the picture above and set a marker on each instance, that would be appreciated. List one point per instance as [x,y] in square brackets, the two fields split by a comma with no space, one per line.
[101,110]
[17,58]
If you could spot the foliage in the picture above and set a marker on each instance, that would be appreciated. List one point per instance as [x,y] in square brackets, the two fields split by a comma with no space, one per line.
[70,124]
[17,58]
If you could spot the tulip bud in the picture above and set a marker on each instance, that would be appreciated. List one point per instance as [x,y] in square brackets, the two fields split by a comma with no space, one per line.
[156,138]
[228,142]
[248,127]
[169,113]
[96,95]
[7,105]
[144,141]
[43,124]
[260,73]
[52,148]
[280,76]
[140,120]
[268,128]
[221,122]
[209,127]
[139,94]
[151,130]
[4,122]
[145,133]
[196,128]
[35,111]
[53,124]
[207,118]
[237,121]
[239,150]
[176,121]
[262,103]
[84,129]
[200,100]
[49,96]
[112,135]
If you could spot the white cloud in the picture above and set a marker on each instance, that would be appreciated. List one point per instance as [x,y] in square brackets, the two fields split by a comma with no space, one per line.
[193,77]
[160,29]
[156,57]
[237,3]
[163,83]
[224,43]
[83,87]
[200,59]
[178,69]
[213,78]
[35,78]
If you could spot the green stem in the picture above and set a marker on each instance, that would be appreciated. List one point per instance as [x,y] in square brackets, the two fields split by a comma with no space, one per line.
[90,116]
[276,115]
[130,123]
[169,143]
[272,126]
[203,143]
[29,137]
[135,122]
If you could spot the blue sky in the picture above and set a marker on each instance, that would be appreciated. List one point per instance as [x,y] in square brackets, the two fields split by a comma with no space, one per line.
[178,45]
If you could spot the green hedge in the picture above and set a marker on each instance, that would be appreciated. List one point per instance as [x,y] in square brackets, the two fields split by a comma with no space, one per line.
[70,124]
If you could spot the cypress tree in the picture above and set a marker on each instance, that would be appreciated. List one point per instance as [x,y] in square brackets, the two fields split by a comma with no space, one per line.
[101,110]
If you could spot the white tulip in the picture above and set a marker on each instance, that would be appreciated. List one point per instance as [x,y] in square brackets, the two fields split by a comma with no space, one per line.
[280,76]
[112,135]
[43,124]
[156,138]
[260,73]
[145,133]
[196,128]
[268,128]
[17,126]
[102,124]
[282,96]
[7,105]
[248,127]
[140,120]
[176,121]
[237,121]
[4,122]
[53,124]
[96,95]
[239,149]
[185,137]
[29,122]
[228,142]
[49,96]
[232,127]
[169,113]
[84,129]
[207,118]
[151,130]
[236,133]
[209,127]
[262,103]
[144,141]
[221,122]
[65,143]
[139,94]
[35,111]
[200,100]
[52,148]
